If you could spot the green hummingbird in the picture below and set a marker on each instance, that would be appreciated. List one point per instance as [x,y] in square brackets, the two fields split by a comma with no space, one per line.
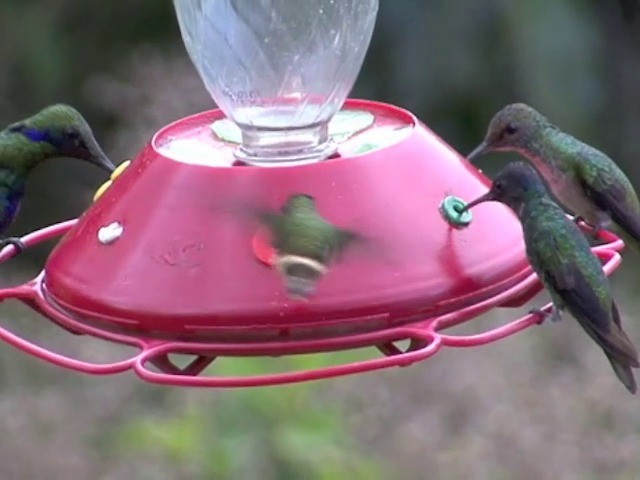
[584,180]
[305,243]
[55,131]
[560,255]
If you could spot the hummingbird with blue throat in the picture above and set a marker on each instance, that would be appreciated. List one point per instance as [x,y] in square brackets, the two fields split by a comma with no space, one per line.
[305,243]
[55,131]
[583,179]
[561,257]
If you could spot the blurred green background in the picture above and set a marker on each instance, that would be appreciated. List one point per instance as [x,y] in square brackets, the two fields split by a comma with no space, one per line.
[544,404]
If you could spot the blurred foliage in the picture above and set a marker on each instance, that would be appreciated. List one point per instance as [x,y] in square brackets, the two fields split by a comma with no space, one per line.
[485,414]
[271,433]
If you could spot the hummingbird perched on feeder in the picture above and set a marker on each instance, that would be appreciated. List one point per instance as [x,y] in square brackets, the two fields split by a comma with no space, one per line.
[305,243]
[584,180]
[560,254]
[55,131]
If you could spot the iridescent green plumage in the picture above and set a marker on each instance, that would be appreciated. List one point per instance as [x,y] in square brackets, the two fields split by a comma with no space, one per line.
[583,179]
[55,131]
[562,258]
[305,243]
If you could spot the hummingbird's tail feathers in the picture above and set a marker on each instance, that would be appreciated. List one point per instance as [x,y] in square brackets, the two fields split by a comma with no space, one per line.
[601,324]
[624,373]
[622,365]
[622,339]
[615,344]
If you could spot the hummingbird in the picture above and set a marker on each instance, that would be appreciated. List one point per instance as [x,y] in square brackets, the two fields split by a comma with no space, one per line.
[305,243]
[560,255]
[55,131]
[583,179]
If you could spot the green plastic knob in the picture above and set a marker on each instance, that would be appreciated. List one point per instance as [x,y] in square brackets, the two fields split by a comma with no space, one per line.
[450,209]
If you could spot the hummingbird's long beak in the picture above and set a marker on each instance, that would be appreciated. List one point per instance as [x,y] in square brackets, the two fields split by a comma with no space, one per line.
[100,159]
[478,151]
[487,197]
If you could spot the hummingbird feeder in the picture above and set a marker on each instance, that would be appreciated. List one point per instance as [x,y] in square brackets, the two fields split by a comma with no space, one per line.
[166,259]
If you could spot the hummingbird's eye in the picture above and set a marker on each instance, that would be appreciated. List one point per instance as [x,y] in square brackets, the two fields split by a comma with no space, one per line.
[510,129]
[16,127]
[74,137]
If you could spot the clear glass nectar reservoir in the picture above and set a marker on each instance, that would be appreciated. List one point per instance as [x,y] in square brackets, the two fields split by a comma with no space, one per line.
[280,69]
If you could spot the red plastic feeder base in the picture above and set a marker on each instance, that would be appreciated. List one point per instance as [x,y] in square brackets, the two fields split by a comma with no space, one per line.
[426,336]
[182,274]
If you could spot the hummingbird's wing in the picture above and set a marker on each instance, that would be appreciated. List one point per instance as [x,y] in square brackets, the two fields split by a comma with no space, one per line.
[572,285]
[270,219]
[275,223]
[585,306]
[343,239]
[612,192]
[622,369]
